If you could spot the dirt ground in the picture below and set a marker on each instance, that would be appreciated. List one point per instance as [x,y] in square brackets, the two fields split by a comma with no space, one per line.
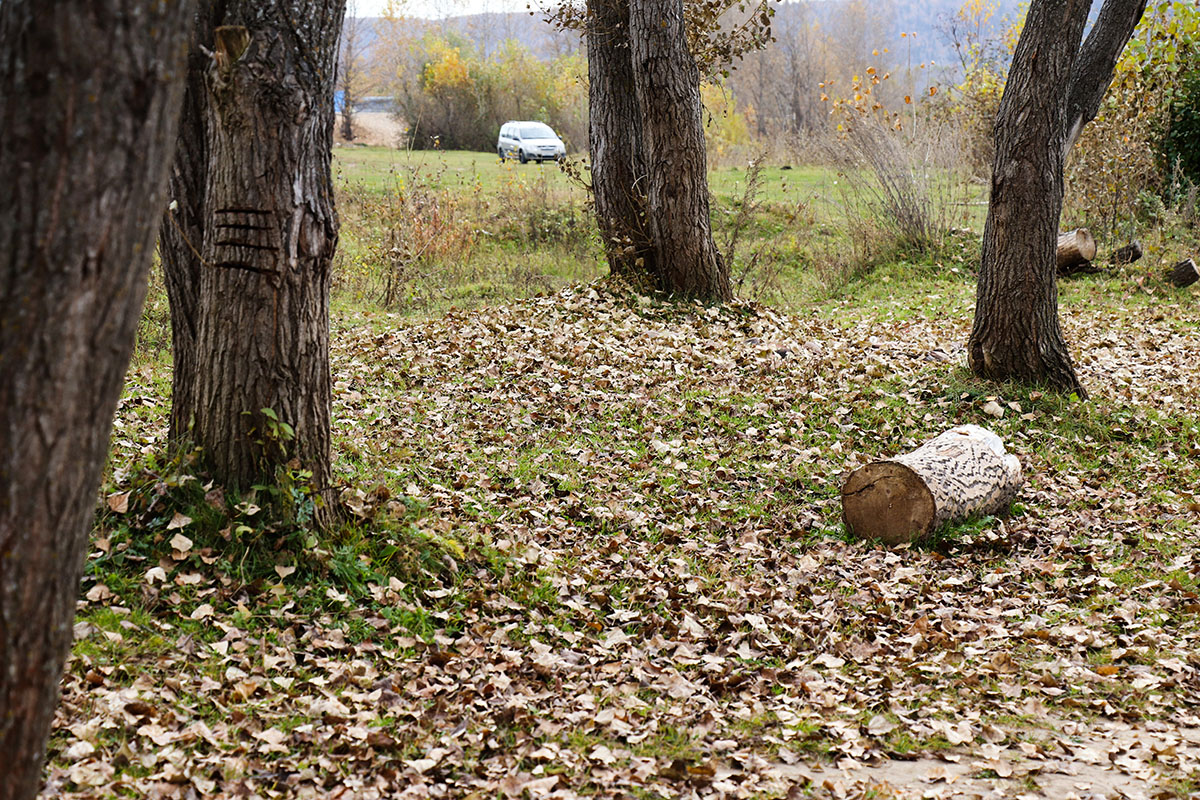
[371,128]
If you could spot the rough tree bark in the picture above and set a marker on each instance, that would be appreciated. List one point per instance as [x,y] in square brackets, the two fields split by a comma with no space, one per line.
[1016,333]
[181,232]
[89,102]
[615,141]
[962,472]
[668,94]
[1093,69]
[268,230]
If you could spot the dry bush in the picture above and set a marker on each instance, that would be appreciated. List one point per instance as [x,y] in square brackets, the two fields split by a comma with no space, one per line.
[907,183]
[425,240]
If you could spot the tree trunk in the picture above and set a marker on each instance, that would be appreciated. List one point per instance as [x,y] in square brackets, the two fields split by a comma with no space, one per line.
[962,472]
[615,141]
[269,233]
[1184,273]
[668,93]
[1016,333]
[1075,252]
[181,232]
[1054,88]
[89,102]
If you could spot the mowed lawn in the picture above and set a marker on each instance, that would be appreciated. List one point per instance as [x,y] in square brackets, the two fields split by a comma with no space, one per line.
[384,168]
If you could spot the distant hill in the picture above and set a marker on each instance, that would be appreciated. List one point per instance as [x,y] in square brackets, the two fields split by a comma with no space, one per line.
[927,19]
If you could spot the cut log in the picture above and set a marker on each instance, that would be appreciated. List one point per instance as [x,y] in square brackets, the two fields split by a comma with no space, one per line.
[1076,249]
[1127,254]
[1184,273]
[963,471]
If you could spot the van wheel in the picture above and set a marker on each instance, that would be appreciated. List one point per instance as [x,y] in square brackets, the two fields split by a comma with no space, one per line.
[500,152]
[524,158]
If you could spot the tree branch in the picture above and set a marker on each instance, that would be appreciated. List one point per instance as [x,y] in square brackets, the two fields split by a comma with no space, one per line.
[1093,68]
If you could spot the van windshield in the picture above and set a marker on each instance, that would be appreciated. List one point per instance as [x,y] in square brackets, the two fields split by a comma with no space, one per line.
[536,132]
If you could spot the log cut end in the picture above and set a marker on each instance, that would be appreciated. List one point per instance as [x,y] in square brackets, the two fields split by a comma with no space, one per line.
[1076,249]
[887,501]
[963,472]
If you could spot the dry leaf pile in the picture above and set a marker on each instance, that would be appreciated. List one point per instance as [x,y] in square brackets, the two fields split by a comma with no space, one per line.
[671,609]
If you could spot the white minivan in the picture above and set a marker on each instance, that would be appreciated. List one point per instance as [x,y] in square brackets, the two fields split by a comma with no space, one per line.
[529,141]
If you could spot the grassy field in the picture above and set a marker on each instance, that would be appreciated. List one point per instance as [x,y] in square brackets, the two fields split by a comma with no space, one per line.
[595,546]
[427,230]
[382,169]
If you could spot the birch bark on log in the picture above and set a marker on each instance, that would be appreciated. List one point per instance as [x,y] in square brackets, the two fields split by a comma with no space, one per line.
[963,471]
[1075,248]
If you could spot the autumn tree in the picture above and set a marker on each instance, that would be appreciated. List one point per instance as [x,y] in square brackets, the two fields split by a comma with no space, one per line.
[88,136]
[351,74]
[1054,88]
[248,248]
[667,84]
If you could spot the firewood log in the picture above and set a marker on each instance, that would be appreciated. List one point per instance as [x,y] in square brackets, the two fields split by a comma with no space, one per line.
[963,471]
[1127,254]
[1184,273]
[1076,249]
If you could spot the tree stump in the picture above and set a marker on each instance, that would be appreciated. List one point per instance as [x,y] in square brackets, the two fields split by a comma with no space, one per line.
[1127,254]
[1184,273]
[963,471]
[1076,249]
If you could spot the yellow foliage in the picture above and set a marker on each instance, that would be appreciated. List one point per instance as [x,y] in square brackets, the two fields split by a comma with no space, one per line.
[446,71]
[725,127]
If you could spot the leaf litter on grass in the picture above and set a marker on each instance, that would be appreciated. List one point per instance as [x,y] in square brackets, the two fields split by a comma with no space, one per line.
[674,610]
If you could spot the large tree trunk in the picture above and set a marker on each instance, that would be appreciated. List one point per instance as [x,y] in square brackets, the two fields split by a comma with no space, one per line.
[1016,334]
[1054,88]
[615,140]
[89,101]
[668,92]
[268,239]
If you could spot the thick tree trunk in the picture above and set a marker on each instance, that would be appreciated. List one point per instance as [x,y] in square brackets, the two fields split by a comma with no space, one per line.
[668,92]
[1016,333]
[615,140]
[89,102]
[962,472]
[268,239]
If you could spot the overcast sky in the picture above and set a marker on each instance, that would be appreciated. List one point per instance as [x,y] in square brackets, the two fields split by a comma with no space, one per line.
[436,9]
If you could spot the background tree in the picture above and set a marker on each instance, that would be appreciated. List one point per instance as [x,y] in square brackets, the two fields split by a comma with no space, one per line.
[255,250]
[88,133]
[647,134]
[667,81]
[351,73]
[1054,88]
